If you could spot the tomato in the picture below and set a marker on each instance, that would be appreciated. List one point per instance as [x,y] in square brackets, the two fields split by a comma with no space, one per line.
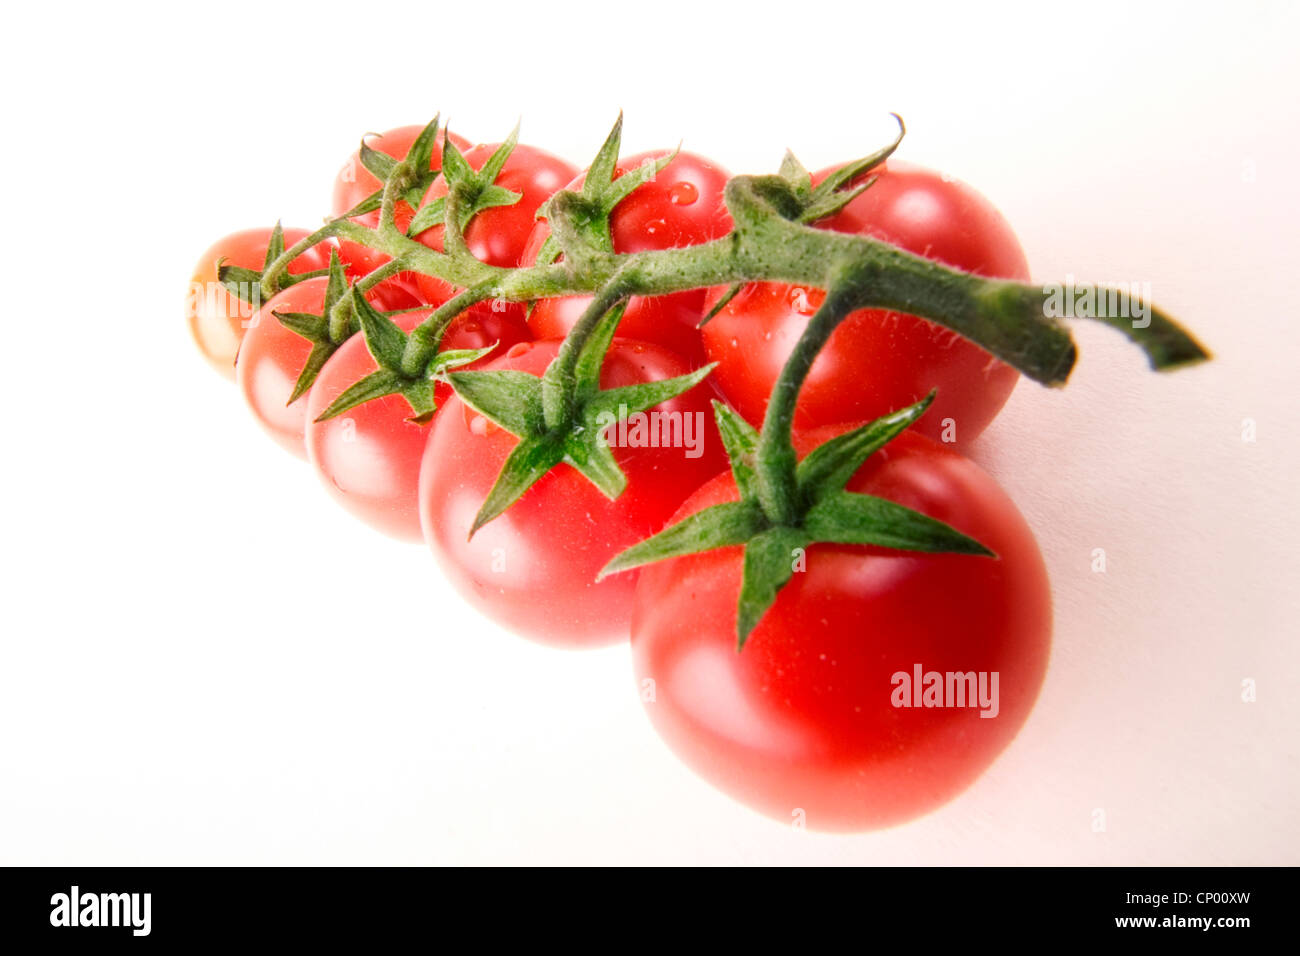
[878,361]
[801,724]
[682,206]
[354,183]
[218,320]
[369,457]
[498,235]
[272,357]
[533,569]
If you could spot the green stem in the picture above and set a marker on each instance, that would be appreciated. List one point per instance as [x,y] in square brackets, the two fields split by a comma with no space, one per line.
[422,344]
[774,459]
[559,386]
[1005,318]
[271,277]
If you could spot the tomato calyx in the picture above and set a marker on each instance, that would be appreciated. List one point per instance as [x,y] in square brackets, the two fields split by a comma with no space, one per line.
[406,179]
[250,285]
[822,512]
[786,505]
[807,204]
[469,192]
[561,416]
[603,188]
[326,331]
[409,365]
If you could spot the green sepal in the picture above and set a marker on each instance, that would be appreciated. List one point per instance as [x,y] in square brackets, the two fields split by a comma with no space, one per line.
[595,461]
[304,324]
[532,458]
[455,358]
[602,191]
[721,304]
[375,385]
[371,203]
[630,399]
[411,175]
[829,466]
[320,330]
[378,163]
[384,338]
[769,563]
[274,246]
[415,166]
[428,216]
[238,281]
[740,439]
[419,395]
[796,174]
[830,195]
[719,526]
[844,517]
[316,359]
[591,357]
[511,399]
[478,186]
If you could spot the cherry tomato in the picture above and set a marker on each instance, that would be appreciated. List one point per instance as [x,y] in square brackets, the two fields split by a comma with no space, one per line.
[369,457]
[533,569]
[498,235]
[682,206]
[272,357]
[803,724]
[354,183]
[877,360]
[218,320]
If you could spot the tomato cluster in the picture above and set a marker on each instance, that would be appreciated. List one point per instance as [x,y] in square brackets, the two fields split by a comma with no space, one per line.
[802,720]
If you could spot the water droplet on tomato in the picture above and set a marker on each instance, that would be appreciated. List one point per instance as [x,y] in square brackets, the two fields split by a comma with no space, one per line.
[471,326]
[654,225]
[518,349]
[478,425]
[683,194]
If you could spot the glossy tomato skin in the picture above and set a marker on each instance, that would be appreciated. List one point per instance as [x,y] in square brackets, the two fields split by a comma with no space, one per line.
[682,206]
[354,183]
[498,235]
[533,569]
[802,720]
[878,361]
[369,458]
[270,359]
[219,320]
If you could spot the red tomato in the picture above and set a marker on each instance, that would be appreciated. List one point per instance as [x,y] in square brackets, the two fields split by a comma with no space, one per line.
[354,183]
[878,361]
[682,206]
[803,720]
[498,235]
[272,357]
[218,320]
[369,457]
[533,569]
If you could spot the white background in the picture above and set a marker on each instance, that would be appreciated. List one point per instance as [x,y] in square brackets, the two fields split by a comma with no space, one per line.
[202,660]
